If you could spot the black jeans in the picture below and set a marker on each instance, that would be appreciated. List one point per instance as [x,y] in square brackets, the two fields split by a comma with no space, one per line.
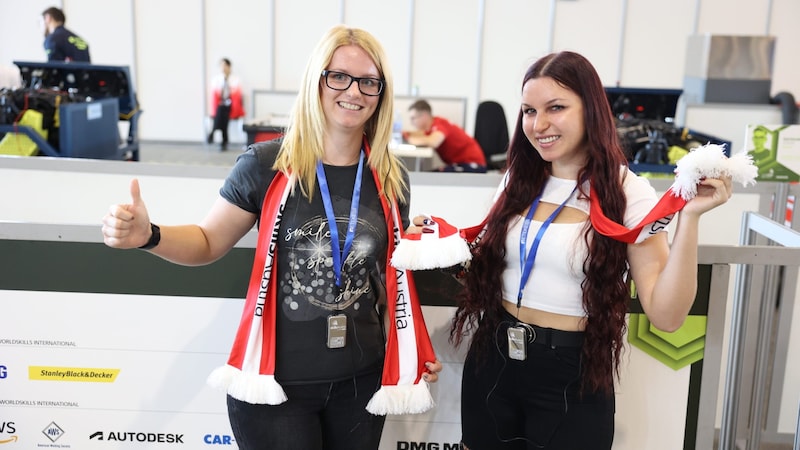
[222,118]
[532,404]
[329,416]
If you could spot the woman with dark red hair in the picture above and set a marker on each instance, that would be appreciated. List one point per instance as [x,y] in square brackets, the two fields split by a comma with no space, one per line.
[546,337]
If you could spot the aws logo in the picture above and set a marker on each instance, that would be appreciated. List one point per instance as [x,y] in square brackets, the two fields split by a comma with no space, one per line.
[8,428]
[53,431]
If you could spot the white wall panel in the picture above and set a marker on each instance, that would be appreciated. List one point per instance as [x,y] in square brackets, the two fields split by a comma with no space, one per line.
[515,35]
[296,33]
[107,27]
[783,25]
[22,32]
[390,23]
[169,53]
[591,28]
[240,30]
[654,49]
[446,50]
[734,17]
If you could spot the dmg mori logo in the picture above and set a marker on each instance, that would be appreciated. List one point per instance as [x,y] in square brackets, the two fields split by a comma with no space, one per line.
[409,445]
[3,372]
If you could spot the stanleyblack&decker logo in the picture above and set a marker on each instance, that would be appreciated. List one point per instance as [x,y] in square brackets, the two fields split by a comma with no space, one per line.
[53,431]
[7,430]
[138,437]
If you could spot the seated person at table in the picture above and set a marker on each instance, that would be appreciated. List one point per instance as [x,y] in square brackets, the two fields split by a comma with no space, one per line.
[458,150]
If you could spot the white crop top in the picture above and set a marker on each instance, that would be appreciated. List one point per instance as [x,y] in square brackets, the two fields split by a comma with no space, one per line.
[554,284]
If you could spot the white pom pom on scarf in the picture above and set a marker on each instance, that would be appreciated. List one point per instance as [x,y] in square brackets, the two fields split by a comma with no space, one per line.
[709,161]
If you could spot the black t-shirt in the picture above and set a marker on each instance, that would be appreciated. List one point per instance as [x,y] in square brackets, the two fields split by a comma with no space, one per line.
[307,294]
[64,45]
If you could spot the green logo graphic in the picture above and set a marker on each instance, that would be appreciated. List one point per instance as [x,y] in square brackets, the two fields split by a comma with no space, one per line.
[678,349]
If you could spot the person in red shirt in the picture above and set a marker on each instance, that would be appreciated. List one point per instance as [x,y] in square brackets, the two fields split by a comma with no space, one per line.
[459,151]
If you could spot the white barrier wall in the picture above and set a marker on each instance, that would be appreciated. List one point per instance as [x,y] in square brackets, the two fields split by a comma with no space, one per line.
[164,346]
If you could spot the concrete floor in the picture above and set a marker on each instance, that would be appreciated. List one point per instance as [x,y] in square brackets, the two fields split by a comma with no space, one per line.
[189,153]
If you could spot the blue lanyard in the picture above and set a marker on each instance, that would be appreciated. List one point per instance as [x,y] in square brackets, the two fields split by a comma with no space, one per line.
[339,256]
[526,263]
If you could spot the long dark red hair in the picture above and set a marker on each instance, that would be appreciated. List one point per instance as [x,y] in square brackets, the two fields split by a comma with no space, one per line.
[605,294]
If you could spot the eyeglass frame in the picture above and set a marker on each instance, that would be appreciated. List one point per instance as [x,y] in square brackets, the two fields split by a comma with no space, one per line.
[381,81]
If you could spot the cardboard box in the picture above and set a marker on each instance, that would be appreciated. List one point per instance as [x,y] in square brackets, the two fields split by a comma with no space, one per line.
[775,150]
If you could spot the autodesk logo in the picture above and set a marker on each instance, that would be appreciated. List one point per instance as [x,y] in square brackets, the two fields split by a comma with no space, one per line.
[132,436]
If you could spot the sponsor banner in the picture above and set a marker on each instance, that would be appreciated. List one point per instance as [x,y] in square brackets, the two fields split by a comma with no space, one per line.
[87,374]
[151,356]
[109,430]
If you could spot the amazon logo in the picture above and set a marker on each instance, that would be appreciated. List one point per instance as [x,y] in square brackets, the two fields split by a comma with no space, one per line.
[8,428]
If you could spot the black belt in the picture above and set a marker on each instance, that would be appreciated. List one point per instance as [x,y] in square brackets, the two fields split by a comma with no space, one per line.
[556,338]
[549,336]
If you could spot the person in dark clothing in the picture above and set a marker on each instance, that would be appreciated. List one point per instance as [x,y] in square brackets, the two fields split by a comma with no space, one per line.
[315,362]
[61,44]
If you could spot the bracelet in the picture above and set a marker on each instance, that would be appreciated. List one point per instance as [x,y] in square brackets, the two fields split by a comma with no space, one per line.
[155,237]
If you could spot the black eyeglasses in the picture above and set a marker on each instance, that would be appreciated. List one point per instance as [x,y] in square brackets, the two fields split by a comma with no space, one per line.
[340,81]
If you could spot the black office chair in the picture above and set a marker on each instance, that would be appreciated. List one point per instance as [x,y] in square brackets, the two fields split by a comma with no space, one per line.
[491,132]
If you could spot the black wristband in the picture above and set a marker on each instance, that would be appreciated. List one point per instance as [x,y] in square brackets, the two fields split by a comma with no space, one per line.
[155,238]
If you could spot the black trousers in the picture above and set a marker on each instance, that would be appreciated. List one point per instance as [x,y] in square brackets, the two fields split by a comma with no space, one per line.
[532,404]
[322,416]
[222,118]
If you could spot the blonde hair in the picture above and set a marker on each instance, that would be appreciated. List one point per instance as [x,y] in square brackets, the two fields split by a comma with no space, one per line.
[302,144]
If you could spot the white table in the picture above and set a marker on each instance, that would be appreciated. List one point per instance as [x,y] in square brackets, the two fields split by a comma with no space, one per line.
[419,154]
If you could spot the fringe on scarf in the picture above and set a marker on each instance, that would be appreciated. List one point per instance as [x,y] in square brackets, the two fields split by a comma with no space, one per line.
[440,245]
[247,387]
[401,399]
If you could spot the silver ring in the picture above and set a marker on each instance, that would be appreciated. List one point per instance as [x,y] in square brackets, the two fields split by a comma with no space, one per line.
[530,331]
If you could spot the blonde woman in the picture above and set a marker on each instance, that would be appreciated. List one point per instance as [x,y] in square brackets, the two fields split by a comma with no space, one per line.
[329,199]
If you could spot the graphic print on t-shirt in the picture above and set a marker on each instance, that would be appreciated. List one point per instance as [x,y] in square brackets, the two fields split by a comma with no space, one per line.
[309,286]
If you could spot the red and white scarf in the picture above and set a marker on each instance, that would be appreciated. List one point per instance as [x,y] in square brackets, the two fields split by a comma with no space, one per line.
[249,374]
[707,161]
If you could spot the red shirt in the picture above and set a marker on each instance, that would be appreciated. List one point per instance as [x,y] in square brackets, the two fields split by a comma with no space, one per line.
[234,91]
[458,147]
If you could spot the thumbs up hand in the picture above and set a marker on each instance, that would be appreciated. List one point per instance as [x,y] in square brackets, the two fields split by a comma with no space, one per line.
[127,225]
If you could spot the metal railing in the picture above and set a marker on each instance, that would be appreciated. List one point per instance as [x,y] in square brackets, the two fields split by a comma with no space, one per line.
[753,226]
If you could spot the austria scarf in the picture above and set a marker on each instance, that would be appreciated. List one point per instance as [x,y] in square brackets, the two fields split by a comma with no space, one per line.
[415,251]
[249,374]
[708,161]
